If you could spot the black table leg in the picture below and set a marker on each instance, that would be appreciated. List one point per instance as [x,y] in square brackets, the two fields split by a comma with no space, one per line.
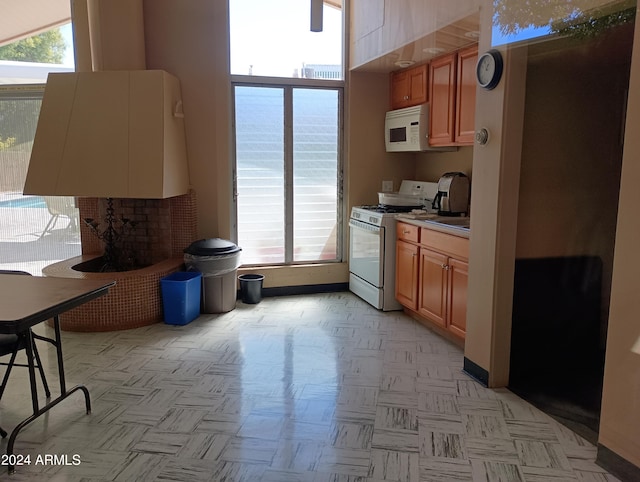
[28,341]
[56,328]
[34,395]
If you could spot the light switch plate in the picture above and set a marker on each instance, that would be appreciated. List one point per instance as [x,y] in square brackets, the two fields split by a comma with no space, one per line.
[387,186]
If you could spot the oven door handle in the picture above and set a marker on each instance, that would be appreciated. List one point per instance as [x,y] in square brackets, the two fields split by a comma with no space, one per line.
[360,225]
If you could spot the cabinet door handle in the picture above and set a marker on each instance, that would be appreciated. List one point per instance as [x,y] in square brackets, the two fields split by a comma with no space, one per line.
[405,232]
[445,266]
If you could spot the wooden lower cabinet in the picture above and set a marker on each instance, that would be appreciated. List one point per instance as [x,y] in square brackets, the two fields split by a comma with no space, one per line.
[407,274]
[431,283]
[433,286]
[457,296]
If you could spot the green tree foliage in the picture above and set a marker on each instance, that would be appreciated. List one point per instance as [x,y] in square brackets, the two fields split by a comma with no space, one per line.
[592,23]
[18,120]
[8,143]
[48,47]
[18,116]
[580,18]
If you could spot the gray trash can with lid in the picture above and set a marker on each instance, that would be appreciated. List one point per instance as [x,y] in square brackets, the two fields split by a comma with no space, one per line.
[218,260]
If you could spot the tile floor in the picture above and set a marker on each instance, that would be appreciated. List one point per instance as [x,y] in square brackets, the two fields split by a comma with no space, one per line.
[301,388]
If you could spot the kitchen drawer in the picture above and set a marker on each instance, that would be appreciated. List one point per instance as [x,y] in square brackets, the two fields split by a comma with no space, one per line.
[445,243]
[408,232]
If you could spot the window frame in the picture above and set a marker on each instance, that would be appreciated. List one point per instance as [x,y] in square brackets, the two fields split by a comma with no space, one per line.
[47,251]
[22,91]
[288,85]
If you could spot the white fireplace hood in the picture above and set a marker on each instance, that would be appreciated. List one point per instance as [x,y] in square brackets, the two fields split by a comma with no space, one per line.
[113,134]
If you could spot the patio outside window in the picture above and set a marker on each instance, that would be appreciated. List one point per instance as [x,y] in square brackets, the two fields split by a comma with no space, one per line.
[35,231]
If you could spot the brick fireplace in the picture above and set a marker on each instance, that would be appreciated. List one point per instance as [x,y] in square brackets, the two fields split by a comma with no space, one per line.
[164,227]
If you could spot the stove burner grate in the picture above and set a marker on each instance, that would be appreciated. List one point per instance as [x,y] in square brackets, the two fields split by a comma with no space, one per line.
[387,208]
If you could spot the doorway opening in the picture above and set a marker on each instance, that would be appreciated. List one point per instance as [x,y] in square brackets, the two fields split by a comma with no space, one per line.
[567,213]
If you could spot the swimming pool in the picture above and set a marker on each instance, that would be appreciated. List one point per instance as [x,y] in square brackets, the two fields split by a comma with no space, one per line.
[24,202]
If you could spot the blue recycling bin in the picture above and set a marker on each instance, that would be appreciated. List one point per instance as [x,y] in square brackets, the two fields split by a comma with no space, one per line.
[181,297]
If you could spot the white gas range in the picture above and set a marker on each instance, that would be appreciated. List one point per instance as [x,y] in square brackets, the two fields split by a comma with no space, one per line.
[372,245]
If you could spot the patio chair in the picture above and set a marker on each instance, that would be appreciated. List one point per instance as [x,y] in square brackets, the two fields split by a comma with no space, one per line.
[59,206]
[11,345]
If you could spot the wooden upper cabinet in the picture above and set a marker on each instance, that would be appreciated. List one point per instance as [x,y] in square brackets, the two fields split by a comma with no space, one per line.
[409,87]
[466,96]
[418,84]
[399,89]
[452,97]
[442,92]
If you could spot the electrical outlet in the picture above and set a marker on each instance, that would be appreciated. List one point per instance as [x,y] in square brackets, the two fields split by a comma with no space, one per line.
[387,186]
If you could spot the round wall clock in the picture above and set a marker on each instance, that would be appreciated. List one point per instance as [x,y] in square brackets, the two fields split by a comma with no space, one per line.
[489,69]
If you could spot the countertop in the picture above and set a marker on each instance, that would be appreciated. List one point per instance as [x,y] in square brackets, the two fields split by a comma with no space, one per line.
[455,225]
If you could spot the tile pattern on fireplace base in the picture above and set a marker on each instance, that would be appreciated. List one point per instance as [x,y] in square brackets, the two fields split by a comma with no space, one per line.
[133,302]
[301,388]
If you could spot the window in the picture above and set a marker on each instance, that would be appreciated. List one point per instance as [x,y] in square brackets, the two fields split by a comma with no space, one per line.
[32,231]
[287,145]
[287,132]
[272,39]
[35,231]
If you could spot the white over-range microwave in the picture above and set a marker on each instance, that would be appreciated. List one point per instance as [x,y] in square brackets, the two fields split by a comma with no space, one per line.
[407,130]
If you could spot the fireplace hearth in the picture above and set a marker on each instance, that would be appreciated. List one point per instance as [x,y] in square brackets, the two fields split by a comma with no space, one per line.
[164,227]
